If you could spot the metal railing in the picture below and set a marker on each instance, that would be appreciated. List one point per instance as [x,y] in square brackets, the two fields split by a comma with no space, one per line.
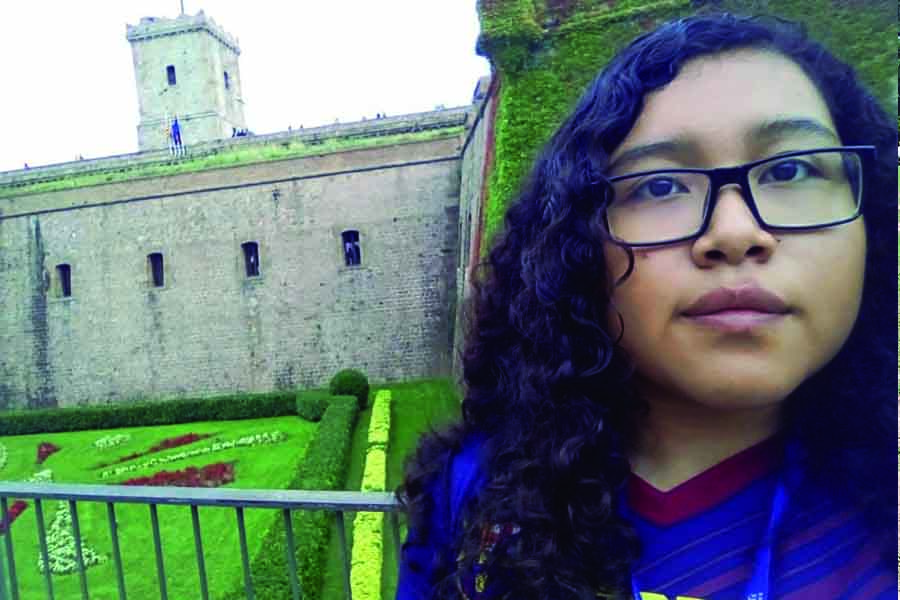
[284,500]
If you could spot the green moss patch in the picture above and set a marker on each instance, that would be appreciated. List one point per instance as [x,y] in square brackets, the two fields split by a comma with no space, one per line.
[227,158]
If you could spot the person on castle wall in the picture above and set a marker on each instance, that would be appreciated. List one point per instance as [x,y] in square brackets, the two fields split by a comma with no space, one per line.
[176,137]
[170,138]
[677,367]
[352,253]
[167,136]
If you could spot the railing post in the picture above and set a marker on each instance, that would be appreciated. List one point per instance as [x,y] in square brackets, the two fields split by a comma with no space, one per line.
[198,547]
[4,595]
[342,534]
[79,558]
[157,545]
[42,540]
[291,560]
[10,555]
[117,556]
[245,558]
[395,530]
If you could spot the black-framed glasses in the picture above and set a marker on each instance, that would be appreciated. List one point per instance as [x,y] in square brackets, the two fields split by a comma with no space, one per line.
[792,191]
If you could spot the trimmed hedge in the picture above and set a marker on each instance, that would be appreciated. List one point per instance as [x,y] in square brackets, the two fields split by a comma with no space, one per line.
[367,555]
[351,382]
[375,472]
[142,414]
[311,404]
[380,421]
[323,468]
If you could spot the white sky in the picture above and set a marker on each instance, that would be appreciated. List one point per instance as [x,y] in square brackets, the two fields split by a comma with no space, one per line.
[68,80]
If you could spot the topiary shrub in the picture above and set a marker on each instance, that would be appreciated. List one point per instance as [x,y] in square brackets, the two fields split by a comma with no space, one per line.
[311,405]
[230,407]
[351,382]
[324,467]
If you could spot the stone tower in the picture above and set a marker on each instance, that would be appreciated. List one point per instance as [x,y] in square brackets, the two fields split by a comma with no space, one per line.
[185,67]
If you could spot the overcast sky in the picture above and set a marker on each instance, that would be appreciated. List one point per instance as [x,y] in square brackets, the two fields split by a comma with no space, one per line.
[68,78]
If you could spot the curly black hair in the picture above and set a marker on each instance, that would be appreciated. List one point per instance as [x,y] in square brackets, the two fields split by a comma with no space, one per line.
[550,390]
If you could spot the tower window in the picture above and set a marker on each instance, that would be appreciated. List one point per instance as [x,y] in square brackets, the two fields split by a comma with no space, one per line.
[155,262]
[351,247]
[227,83]
[170,74]
[251,258]
[64,273]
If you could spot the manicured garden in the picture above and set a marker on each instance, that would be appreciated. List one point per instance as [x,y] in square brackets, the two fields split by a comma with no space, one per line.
[257,465]
[282,450]
[414,406]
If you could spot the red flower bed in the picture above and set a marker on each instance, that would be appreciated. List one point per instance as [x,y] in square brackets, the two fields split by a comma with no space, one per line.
[181,440]
[172,442]
[212,475]
[45,449]
[12,514]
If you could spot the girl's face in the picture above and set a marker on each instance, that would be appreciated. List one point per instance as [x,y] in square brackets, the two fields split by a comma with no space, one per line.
[741,360]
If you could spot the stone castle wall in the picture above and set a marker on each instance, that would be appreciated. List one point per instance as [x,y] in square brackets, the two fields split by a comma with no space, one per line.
[212,329]
[474,156]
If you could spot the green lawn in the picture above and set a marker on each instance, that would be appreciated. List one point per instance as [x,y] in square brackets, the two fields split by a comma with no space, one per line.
[415,405]
[262,467]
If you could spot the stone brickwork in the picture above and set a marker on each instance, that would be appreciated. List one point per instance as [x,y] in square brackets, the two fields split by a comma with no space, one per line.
[200,53]
[211,328]
[470,207]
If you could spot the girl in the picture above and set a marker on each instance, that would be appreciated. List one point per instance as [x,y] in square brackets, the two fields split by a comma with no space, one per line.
[679,365]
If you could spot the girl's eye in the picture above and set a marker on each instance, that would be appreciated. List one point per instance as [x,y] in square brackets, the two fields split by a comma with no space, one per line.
[788,171]
[658,188]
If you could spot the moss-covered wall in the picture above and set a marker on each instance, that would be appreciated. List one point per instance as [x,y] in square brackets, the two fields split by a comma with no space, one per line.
[546,52]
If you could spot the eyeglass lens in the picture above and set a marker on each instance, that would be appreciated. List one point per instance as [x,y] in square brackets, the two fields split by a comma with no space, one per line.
[797,191]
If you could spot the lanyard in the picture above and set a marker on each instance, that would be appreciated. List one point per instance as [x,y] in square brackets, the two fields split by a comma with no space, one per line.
[758,586]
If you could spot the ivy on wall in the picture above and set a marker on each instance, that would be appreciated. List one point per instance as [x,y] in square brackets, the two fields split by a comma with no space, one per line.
[546,52]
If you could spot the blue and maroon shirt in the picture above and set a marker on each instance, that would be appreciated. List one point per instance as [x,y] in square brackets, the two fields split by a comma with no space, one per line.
[699,538]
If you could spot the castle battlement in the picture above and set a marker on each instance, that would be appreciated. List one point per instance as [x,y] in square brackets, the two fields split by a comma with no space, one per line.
[17,181]
[154,27]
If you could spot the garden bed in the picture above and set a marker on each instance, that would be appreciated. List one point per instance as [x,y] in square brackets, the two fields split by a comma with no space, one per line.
[261,466]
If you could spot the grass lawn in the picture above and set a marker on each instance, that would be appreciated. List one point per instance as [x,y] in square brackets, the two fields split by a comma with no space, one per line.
[415,405]
[261,467]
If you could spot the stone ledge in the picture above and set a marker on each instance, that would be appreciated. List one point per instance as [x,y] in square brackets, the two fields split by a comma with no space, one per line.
[410,123]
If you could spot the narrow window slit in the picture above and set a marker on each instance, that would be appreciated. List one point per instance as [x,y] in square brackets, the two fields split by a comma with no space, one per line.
[352,255]
[156,269]
[251,258]
[64,274]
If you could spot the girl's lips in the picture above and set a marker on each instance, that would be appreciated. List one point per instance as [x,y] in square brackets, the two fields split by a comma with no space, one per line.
[750,297]
[736,320]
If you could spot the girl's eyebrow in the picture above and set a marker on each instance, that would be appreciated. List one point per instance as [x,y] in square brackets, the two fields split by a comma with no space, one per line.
[781,128]
[766,132]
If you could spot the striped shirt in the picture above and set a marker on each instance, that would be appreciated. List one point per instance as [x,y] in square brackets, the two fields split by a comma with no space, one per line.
[699,538]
